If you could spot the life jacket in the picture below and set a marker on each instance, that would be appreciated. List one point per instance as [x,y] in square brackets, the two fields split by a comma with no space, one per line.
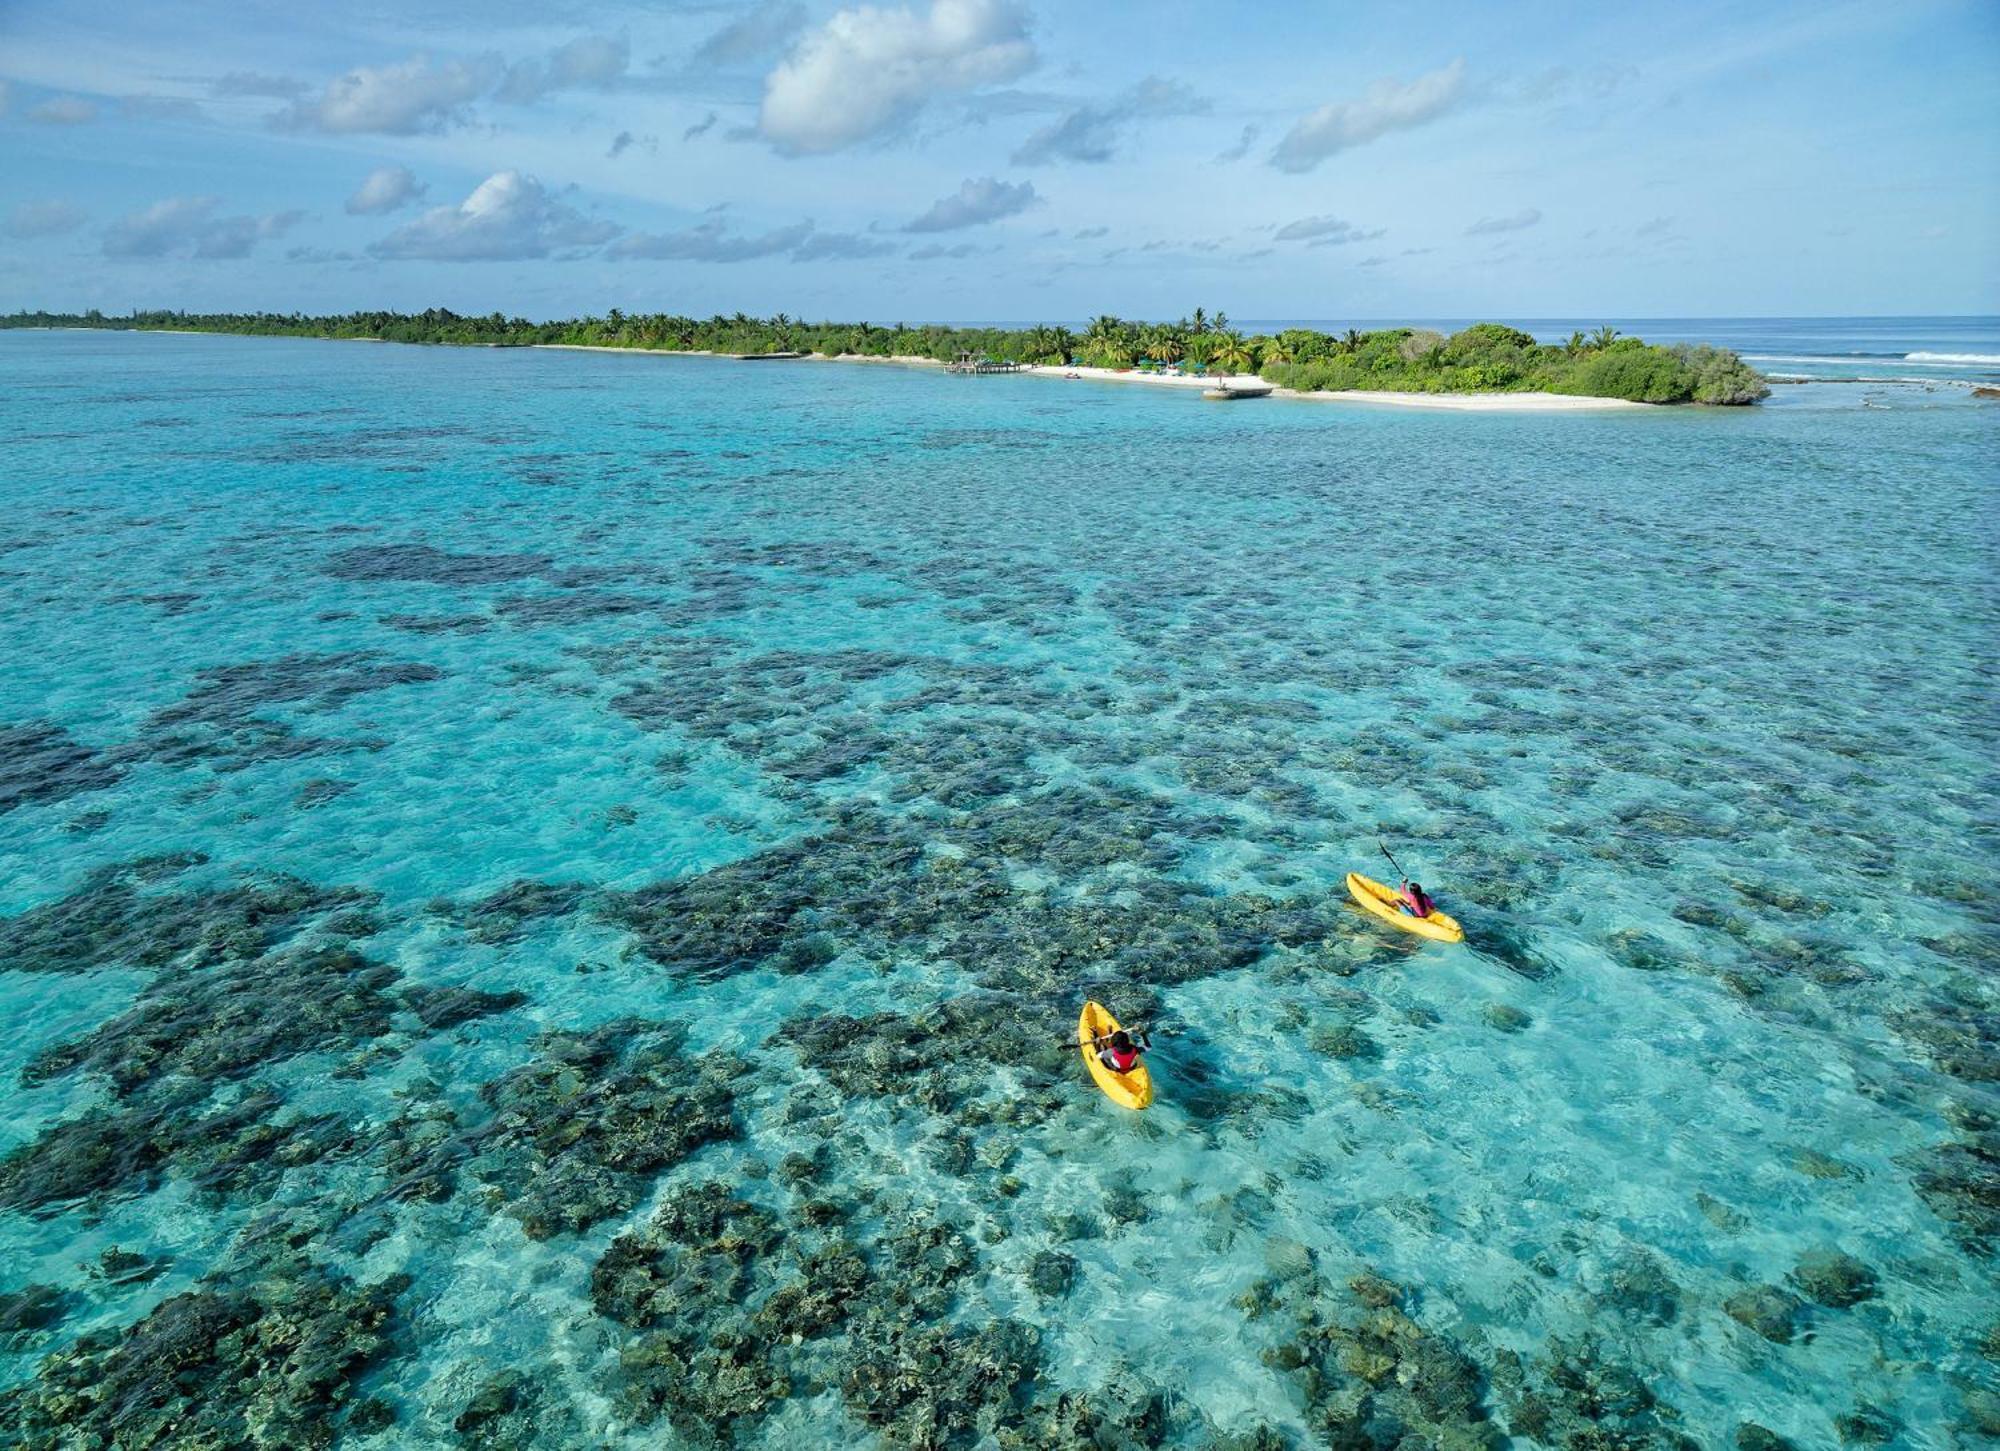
[1418,904]
[1120,1062]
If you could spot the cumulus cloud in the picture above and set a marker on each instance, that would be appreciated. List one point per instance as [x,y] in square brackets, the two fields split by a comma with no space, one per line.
[64,111]
[1092,133]
[712,242]
[508,217]
[1324,232]
[395,100]
[702,127]
[1386,106]
[866,71]
[189,227]
[974,204]
[590,62]
[386,188]
[44,219]
[1512,222]
[764,31]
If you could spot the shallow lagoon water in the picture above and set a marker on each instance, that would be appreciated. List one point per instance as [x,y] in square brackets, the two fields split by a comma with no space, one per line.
[859,722]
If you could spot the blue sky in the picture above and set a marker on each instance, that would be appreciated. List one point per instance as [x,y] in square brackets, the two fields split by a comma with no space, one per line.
[1003,159]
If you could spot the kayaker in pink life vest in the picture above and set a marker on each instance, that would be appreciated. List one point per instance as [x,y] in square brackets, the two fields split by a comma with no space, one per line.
[1416,902]
[1120,1054]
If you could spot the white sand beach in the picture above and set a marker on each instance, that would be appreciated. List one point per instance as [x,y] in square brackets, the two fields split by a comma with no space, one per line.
[1460,402]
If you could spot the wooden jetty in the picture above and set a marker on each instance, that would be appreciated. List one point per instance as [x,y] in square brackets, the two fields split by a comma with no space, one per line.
[1225,392]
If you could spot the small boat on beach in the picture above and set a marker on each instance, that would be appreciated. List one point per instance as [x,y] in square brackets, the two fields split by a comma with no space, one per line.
[1224,391]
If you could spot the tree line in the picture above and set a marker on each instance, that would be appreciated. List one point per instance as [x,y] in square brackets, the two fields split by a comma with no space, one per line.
[1486,357]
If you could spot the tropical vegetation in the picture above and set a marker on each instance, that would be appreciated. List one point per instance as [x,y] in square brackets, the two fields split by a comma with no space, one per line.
[1486,357]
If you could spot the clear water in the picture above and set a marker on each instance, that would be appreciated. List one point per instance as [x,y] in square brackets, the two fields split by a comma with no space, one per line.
[1688,715]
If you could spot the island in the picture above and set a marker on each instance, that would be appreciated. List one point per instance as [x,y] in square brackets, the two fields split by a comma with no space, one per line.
[1484,360]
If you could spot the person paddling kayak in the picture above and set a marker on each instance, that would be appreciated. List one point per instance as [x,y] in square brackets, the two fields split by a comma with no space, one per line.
[1416,902]
[1120,1052]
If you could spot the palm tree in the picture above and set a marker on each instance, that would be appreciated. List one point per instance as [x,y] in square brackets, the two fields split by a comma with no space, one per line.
[1603,337]
[1351,340]
[1276,350]
[1166,344]
[1574,345]
[1233,356]
[1200,324]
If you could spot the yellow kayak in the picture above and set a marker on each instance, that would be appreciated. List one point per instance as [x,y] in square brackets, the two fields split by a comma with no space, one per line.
[1134,1089]
[1387,903]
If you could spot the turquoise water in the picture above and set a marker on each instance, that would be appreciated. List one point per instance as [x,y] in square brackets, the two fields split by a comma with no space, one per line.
[457,804]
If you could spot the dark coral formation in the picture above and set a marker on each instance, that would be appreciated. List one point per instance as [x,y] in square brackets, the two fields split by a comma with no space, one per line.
[270,1363]
[41,762]
[375,563]
[226,720]
[109,921]
[576,1135]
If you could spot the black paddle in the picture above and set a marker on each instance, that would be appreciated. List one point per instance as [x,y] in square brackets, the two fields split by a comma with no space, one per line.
[1400,873]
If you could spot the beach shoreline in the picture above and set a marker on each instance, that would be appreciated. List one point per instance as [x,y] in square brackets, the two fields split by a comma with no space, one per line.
[1450,402]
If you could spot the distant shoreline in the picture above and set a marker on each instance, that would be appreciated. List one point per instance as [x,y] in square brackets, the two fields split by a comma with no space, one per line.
[1449,402]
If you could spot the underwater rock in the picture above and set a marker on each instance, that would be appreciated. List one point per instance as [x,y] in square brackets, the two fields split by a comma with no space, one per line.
[1505,1017]
[1771,1312]
[32,1307]
[1051,1273]
[1833,1279]
[1343,1040]
[238,1150]
[225,1022]
[319,791]
[269,1364]
[438,1008]
[41,762]
[109,922]
[371,563]
[1866,1425]
[1960,1181]
[502,916]
[1752,1437]
[1637,1284]
[221,719]
[577,1134]
[938,1386]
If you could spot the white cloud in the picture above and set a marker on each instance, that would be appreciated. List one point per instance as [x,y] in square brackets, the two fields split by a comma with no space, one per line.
[761,32]
[1512,222]
[867,70]
[188,227]
[1386,106]
[64,111]
[44,219]
[508,217]
[1324,232]
[974,204]
[590,62]
[386,188]
[712,242]
[396,100]
[1092,133]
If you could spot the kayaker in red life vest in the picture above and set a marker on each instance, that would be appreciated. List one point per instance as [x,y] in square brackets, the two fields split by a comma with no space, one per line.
[1120,1052]
[1416,902]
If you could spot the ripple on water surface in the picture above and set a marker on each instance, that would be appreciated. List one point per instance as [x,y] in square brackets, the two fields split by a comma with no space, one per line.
[546,898]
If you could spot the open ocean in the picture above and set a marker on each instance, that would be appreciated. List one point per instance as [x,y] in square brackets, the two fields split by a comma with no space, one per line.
[544,897]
